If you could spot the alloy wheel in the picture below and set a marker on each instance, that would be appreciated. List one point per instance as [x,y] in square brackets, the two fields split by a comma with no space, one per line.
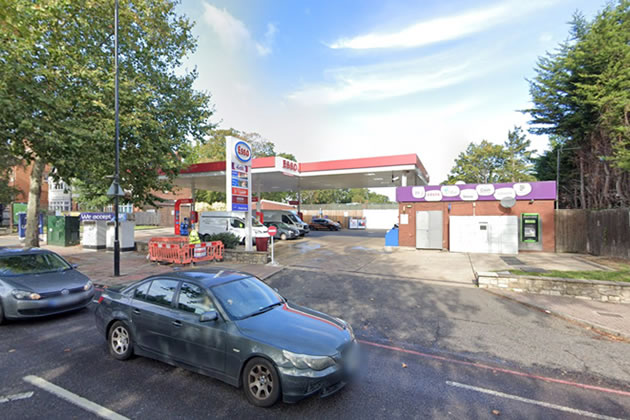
[260,382]
[120,340]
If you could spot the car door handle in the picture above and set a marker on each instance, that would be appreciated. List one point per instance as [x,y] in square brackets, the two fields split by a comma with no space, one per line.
[177,323]
[136,311]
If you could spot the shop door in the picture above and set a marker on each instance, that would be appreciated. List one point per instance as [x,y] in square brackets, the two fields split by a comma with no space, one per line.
[429,229]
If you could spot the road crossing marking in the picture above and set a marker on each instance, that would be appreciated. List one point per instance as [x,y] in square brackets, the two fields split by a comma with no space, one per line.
[75,399]
[15,397]
[534,402]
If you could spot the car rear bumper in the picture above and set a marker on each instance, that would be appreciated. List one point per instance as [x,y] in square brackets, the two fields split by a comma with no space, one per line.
[22,309]
[298,384]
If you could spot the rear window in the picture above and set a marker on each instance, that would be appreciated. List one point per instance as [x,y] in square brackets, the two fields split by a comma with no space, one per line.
[18,265]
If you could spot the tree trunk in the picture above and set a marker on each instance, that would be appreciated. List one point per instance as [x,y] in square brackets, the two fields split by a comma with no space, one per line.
[582,194]
[32,211]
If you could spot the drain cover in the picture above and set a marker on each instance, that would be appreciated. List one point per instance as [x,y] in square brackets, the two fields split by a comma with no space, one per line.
[610,314]
[512,261]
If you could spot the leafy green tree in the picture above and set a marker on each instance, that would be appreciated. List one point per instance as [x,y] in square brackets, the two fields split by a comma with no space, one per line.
[479,164]
[581,92]
[57,93]
[518,163]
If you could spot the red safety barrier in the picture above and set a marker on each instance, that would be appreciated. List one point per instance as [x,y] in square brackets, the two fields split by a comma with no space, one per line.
[177,250]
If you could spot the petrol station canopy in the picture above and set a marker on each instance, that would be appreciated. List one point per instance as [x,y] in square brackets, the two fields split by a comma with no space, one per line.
[270,174]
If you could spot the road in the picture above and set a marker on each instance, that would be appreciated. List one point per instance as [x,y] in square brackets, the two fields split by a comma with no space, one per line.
[431,351]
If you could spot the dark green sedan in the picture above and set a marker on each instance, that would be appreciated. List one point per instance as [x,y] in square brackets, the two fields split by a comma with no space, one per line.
[231,326]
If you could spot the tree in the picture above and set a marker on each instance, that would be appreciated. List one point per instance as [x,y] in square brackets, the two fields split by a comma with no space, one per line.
[518,163]
[479,164]
[7,193]
[57,92]
[581,93]
[491,163]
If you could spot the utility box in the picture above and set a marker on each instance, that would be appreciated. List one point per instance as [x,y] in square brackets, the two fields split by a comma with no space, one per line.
[94,234]
[63,230]
[126,235]
[22,225]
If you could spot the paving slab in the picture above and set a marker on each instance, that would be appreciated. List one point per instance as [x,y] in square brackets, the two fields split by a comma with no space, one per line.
[542,260]
[612,318]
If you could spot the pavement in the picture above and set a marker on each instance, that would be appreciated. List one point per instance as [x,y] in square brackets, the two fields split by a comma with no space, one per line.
[431,351]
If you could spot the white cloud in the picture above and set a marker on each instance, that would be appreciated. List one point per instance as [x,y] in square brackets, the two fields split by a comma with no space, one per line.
[395,79]
[442,28]
[545,37]
[233,34]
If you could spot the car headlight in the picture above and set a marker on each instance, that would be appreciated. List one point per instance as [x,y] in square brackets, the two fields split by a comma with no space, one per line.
[87,286]
[25,295]
[305,361]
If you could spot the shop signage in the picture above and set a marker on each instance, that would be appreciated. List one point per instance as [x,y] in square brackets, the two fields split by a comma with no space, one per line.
[243,152]
[239,167]
[542,190]
[450,190]
[485,189]
[239,191]
[287,166]
[238,180]
[506,192]
[294,202]
[417,192]
[469,195]
[84,217]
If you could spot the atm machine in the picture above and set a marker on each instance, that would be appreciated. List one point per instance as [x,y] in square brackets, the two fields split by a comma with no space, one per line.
[531,232]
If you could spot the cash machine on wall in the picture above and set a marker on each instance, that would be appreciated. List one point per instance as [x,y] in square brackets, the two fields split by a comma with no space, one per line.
[530,232]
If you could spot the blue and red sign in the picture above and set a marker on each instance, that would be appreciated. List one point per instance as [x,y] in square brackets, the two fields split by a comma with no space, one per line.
[243,151]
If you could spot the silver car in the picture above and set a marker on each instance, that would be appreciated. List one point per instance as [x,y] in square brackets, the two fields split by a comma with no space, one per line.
[36,282]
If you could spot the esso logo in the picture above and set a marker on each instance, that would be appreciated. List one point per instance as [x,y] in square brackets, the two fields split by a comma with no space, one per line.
[243,151]
[292,166]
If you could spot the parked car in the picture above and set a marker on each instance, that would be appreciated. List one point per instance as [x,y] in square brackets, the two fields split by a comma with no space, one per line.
[284,231]
[212,222]
[324,224]
[36,282]
[231,326]
[287,217]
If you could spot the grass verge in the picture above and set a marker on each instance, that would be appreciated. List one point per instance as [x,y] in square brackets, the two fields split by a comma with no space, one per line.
[622,274]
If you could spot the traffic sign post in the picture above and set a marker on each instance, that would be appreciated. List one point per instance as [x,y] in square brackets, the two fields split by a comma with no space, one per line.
[272,232]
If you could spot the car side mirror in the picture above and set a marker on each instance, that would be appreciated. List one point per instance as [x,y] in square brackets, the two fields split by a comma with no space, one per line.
[209,316]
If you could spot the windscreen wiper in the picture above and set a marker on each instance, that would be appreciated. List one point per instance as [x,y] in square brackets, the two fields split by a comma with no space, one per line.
[264,309]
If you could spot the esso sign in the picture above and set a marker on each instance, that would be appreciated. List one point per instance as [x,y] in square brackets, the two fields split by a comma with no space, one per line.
[272,231]
[243,151]
[287,164]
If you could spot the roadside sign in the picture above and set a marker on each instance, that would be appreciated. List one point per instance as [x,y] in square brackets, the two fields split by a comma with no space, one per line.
[272,231]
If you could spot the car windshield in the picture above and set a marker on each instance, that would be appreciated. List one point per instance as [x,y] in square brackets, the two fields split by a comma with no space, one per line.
[17,265]
[246,297]
[294,218]
[256,223]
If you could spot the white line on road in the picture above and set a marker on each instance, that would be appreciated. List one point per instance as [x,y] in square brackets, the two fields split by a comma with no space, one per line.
[85,404]
[15,397]
[535,402]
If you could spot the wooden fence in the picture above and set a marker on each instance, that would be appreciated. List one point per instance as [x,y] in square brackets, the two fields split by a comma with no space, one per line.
[147,218]
[597,232]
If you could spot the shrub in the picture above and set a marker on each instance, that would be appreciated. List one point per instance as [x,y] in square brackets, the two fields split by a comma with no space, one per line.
[229,240]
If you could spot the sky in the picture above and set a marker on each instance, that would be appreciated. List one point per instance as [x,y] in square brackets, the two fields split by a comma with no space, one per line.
[329,79]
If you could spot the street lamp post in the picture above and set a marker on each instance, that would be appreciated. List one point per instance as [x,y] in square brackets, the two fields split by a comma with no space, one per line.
[558,152]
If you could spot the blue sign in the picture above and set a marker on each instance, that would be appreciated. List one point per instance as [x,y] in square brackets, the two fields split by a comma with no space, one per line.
[239,207]
[98,216]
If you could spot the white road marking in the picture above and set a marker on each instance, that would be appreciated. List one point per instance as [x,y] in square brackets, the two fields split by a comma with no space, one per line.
[535,402]
[75,399]
[15,397]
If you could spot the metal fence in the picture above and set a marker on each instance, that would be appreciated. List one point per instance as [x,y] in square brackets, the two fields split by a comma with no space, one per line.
[597,232]
[147,218]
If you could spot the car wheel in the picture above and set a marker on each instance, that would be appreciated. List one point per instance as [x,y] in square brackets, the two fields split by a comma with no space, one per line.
[261,383]
[283,236]
[120,342]
[331,228]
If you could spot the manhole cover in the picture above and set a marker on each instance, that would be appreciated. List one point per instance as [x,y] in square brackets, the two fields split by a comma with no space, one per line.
[610,314]
[512,261]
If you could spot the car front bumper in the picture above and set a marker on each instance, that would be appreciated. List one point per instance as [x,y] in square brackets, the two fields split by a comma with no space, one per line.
[18,309]
[298,384]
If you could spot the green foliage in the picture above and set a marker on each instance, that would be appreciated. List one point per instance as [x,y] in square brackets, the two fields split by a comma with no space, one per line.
[214,148]
[57,91]
[7,193]
[343,196]
[581,93]
[230,241]
[491,163]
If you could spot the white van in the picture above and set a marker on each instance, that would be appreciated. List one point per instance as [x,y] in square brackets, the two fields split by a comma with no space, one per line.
[212,222]
[286,216]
